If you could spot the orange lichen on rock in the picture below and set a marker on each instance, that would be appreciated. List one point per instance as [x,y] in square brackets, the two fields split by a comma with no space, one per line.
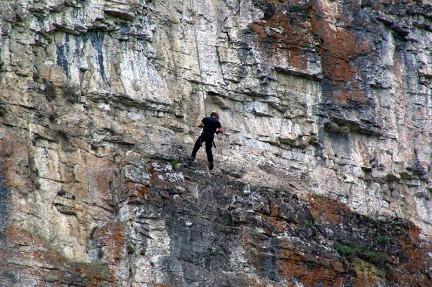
[277,224]
[414,259]
[338,48]
[133,189]
[308,269]
[103,174]
[22,237]
[112,238]
[354,94]
[37,257]
[13,157]
[288,32]
[327,210]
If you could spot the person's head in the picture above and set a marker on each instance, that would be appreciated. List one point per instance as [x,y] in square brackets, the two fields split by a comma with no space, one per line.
[214,115]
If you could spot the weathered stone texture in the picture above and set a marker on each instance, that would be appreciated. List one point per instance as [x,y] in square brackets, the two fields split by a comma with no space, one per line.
[323,177]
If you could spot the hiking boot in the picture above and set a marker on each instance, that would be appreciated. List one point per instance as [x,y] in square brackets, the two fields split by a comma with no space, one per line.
[210,165]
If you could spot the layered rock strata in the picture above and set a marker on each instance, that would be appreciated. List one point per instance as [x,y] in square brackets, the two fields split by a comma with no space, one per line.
[323,177]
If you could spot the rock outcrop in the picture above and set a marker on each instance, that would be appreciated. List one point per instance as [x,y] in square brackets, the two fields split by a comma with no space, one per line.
[323,177]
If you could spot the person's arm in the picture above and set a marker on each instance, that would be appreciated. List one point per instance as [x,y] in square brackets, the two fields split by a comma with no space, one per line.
[220,129]
[201,125]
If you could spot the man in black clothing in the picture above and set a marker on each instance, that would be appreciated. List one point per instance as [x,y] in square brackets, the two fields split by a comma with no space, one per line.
[210,125]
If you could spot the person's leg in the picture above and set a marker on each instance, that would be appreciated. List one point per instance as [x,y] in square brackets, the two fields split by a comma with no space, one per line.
[196,147]
[209,145]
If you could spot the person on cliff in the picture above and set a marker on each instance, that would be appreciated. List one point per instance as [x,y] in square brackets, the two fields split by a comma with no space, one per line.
[210,126]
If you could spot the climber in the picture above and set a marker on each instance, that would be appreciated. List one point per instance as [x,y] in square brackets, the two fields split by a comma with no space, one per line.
[210,126]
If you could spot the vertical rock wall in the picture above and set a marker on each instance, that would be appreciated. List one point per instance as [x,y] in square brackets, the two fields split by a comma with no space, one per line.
[323,177]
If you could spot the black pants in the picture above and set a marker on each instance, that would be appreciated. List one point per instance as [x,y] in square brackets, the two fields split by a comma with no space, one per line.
[208,146]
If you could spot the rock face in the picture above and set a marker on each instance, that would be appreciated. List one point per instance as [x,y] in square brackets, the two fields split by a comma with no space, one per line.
[323,177]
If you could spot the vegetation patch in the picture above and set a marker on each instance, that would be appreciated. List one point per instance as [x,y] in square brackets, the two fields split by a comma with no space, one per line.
[383,239]
[309,223]
[352,251]
[296,9]
[175,164]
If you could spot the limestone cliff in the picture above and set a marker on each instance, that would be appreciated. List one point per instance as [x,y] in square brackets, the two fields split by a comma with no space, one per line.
[323,177]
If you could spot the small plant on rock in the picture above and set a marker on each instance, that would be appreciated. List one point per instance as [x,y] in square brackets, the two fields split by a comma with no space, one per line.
[309,223]
[383,239]
[175,164]
[352,251]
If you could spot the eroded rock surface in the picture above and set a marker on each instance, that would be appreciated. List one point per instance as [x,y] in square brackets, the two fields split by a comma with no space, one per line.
[323,177]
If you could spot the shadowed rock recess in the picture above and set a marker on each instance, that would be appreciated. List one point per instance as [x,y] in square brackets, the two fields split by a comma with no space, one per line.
[324,177]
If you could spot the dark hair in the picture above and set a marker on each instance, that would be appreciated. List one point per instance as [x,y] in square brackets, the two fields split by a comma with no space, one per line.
[214,114]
